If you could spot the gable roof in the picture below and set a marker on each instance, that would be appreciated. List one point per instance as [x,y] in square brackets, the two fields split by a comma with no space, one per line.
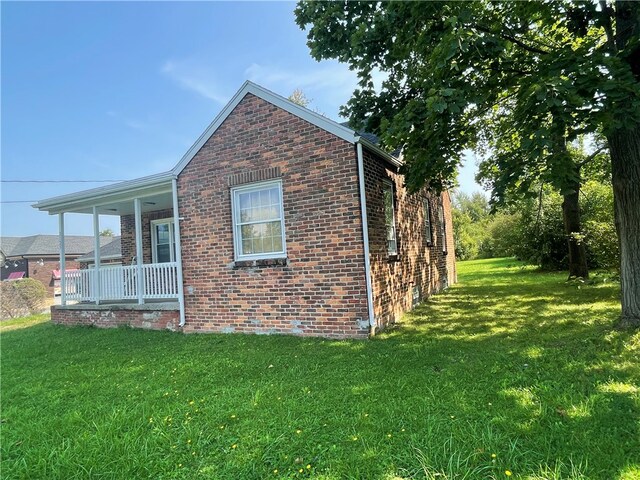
[161,180]
[47,245]
[109,251]
[338,129]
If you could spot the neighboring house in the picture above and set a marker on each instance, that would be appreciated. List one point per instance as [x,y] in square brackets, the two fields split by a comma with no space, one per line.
[110,254]
[277,220]
[38,256]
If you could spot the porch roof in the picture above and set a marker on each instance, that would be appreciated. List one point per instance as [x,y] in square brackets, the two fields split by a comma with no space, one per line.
[115,199]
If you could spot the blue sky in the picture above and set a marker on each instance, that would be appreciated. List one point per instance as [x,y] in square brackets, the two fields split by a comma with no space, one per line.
[94,91]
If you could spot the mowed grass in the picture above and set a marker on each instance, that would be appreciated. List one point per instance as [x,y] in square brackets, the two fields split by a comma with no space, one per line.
[511,371]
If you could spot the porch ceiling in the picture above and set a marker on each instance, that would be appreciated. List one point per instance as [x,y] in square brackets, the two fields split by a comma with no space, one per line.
[155,193]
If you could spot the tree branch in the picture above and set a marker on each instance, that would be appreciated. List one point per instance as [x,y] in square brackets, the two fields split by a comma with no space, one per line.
[608,25]
[511,38]
[591,157]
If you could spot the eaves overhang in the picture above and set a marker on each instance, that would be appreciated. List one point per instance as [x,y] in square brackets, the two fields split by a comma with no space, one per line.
[117,193]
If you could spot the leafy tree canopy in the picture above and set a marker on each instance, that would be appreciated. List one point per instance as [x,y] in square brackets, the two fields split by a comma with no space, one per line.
[557,67]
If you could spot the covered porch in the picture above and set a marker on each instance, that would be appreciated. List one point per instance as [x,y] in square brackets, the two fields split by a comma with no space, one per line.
[143,289]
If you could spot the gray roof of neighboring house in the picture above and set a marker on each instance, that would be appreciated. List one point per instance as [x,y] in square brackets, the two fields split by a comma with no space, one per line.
[48,245]
[110,251]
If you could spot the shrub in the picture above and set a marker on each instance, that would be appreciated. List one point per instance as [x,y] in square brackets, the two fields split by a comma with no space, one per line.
[21,297]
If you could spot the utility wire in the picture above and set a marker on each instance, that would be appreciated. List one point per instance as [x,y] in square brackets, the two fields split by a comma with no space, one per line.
[18,201]
[60,181]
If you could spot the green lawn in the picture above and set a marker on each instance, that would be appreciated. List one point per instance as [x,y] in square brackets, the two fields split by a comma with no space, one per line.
[510,371]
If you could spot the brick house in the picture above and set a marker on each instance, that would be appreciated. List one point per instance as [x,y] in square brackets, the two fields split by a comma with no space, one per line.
[277,220]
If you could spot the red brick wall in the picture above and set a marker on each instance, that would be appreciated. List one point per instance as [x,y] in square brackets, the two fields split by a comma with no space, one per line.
[320,290]
[44,273]
[417,264]
[99,317]
[128,234]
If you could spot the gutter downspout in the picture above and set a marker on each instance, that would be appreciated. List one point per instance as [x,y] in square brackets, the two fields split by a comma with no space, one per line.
[176,232]
[365,238]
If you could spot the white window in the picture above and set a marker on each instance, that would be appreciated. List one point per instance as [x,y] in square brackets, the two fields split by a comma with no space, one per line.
[427,222]
[258,221]
[163,247]
[443,228]
[389,217]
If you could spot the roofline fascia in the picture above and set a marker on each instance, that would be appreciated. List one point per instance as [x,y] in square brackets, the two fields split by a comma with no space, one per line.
[56,203]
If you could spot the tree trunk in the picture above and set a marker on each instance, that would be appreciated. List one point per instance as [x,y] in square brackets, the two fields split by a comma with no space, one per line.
[573,231]
[624,145]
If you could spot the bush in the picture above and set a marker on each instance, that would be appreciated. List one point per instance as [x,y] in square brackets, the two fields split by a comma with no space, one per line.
[21,297]
[535,233]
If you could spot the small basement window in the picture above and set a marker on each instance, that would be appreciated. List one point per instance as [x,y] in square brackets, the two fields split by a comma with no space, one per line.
[258,221]
[390,217]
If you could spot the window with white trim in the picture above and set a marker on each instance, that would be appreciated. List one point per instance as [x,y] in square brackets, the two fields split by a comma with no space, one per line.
[428,233]
[389,217]
[163,247]
[258,221]
[443,228]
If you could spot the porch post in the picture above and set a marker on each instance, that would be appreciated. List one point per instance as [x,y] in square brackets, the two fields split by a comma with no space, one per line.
[176,231]
[63,266]
[96,254]
[138,215]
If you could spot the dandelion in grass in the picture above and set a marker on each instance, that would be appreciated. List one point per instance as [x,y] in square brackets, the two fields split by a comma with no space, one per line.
[192,402]
[508,473]
[354,438]
[234,446]
[493,455]
[301,470]
[308,467]
[389,435]
[298,432]
[221,427]
[275,471]
[233,416]
[189,440]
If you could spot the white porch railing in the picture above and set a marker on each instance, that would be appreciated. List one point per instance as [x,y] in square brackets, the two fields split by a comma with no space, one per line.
[160,280]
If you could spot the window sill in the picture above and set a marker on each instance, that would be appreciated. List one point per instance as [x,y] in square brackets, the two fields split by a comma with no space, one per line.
[265,262]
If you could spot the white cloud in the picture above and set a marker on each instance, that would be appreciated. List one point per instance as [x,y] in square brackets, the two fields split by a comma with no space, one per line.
[195,76]
[329,85]
[136,124]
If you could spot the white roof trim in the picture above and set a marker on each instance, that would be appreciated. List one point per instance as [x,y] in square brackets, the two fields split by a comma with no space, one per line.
[104,194]
[249,87]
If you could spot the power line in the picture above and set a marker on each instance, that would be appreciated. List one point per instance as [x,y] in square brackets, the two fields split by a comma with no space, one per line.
[60,181]
[18,201]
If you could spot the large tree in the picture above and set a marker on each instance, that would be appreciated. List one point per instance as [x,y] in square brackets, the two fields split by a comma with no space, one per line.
[512,172]
[569,68]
